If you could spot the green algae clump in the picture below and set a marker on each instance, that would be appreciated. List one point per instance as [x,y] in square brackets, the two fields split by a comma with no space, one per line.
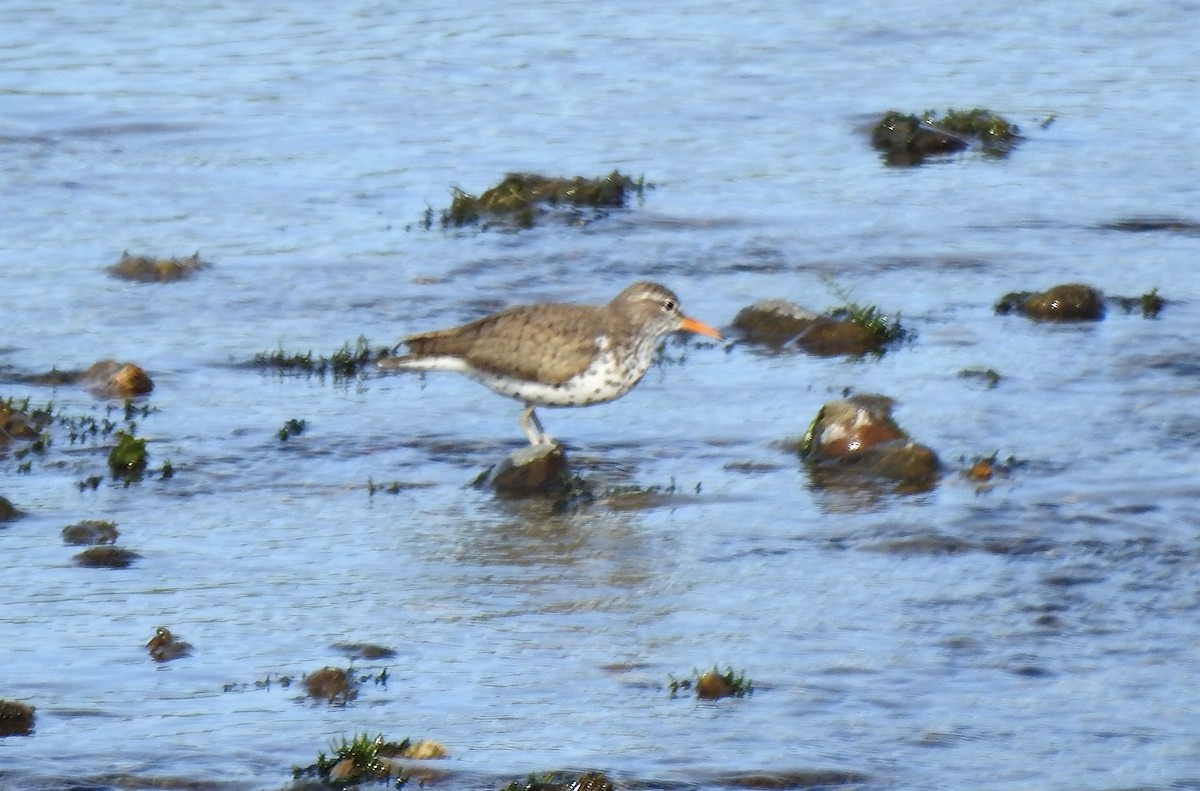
[128,456]
[364,759]
[911,139]
[148,269]
[522,198]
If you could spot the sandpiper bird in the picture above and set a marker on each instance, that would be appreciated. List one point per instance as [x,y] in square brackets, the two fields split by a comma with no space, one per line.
[552,354]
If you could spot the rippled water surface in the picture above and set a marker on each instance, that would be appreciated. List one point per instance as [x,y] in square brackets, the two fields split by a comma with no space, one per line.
[1038,632]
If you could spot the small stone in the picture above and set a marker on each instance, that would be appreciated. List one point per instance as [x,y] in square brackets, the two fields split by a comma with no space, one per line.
[712,686]
[164,646]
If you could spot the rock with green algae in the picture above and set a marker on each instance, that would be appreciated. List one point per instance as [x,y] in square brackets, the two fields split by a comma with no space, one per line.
[911,139]
[1067,302]
[148,269]
[851,330]
[16,718]
[128,457]
[90,532]
[106,557]
[331,683]
[522,198]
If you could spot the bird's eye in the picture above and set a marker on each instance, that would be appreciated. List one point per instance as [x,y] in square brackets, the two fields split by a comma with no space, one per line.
[669,306]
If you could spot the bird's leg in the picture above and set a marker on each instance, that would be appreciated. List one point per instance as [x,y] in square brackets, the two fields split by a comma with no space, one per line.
[533,427]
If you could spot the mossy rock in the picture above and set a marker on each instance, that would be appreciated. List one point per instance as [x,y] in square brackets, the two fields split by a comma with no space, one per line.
[1067,302]
[522,198]
[16,718]
[911,139]
[331,683]
[852,329]
[106,557]
[147,269]
[128,457]
[90,532]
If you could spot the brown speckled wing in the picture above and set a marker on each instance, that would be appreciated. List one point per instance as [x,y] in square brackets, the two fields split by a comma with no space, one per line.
[550,344]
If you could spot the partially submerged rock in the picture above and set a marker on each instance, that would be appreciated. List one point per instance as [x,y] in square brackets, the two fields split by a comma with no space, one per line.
[1077,302]
[331,683]
[423,750]
[563,781]
[532,470]
[90,532]
[147,269]
[851,330]
[164,646]
[111,379]
[106,557]
[521,198]
[858,437]
[368,651]
[713,684]
[1067,302]
[910,139]
[8,511]
[773,322]
[19,422]
[1181,225]
[366,760]
[104,379]
[794,779]
[16,718]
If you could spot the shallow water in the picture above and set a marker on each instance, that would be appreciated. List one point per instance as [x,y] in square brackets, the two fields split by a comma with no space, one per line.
[1038,632]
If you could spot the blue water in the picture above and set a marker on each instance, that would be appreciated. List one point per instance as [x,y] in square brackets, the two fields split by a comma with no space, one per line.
[298,147]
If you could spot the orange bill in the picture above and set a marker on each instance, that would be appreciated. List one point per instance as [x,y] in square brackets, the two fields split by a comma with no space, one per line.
[691,325]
